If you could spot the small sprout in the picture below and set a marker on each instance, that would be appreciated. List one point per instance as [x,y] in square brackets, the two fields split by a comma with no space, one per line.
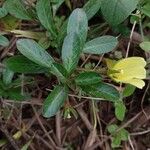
[69,111]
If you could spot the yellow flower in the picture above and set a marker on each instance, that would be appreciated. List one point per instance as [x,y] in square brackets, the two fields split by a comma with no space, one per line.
[129,70]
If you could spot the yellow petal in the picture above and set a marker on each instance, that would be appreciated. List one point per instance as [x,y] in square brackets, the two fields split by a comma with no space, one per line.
[136,82]
[131,62]
[130,73]
[130,68]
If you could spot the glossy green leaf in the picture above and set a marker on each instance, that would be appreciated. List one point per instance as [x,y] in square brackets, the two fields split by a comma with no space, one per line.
[101,45]
[116,11]
[91,8]
[128,90]
[78,23]
[145,46]
[3,12]
[88,78]
[102,90]
[21,64]
[44,12]
[120,110]
[71,51]
[17,9]
[33,51]
[4,41]
[54,101]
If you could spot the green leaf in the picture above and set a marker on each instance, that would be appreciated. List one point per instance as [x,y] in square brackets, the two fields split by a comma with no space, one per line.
[61,34]
[103,44]
[116,11]
[17,9]
[128,90]
[91,8]
[116,142]
[102,90]
[28,80]
[33,51]
[145,46]
[21,64]
[3,12]
[54,101]
[26,146]
[88,78]
[71,51]
[45,42]
[15,94]
[1,91]
[3,41]
[123,134]
[7,76]
[59,71]
[44,12]
[146,9]
[9,22]
[117,137]
[78,23]
[56,6]
[120,110]
[112,128]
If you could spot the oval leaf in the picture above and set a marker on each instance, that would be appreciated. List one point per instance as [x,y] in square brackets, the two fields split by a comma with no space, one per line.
[101,45]
[120,110]
[116,11]
[3,12]
[45,16]
[146,9]
[21,64]
[88,78]
[128,90]
[91,8]
[33,51]
[102,90]
[71,51]
[3,41]
[78,23]
[54,101]
[17,9]
[145,46]
[7,76]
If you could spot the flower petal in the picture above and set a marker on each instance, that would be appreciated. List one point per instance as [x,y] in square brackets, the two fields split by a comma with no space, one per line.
[132,67]
[129,63]
[136,82]
[130,73]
